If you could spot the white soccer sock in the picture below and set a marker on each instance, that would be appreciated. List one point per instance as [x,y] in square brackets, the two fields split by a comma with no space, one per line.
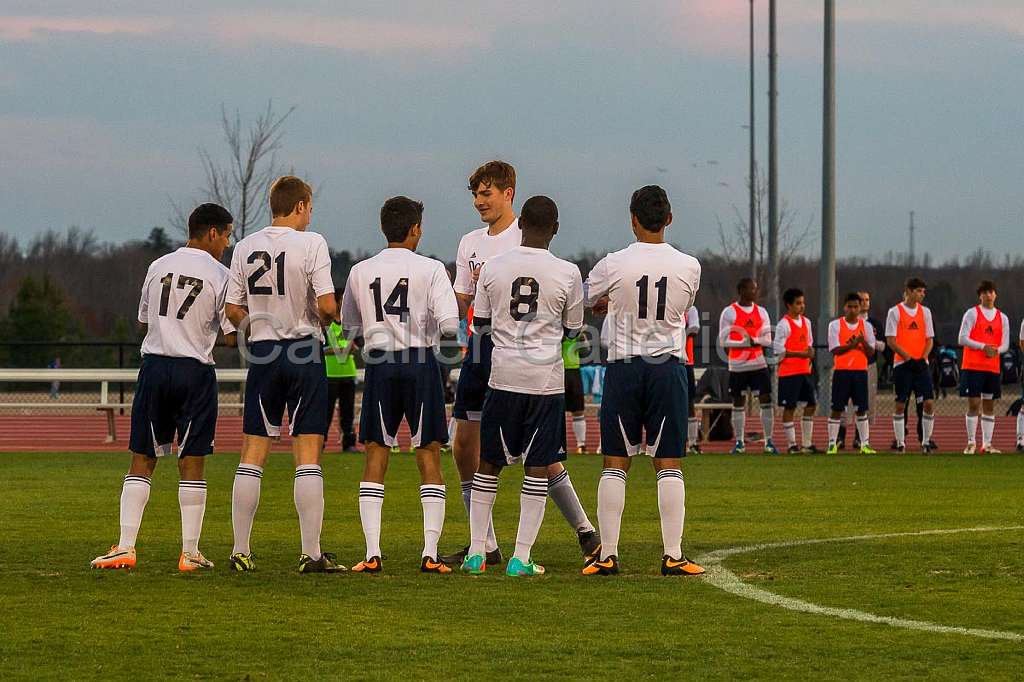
[532,500]
[451,431]
[1020,426]
[485,490]
[899,429]
[790,429]
[972,428]
[309,503]
[245,498]
[807,431]
[611,499]
[192,501]
[693,431]
[562,492]
[739,424]
[833,431]
[672,507]
[988,426]
[864,430]
[134,496]
[432,498]
[579,429]
[767,421]
[467,491]
[371,500]
[927,424]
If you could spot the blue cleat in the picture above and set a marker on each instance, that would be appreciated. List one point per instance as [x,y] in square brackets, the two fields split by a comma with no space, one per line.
[769,447]
[738,449]
[517,569]
[474,564]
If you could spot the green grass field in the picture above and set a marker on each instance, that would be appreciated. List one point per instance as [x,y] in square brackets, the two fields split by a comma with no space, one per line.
[59,619]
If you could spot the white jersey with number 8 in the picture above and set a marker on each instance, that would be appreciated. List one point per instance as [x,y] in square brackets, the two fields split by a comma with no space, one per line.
[278,273]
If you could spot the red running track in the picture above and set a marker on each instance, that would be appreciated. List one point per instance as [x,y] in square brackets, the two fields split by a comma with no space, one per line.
[87,433]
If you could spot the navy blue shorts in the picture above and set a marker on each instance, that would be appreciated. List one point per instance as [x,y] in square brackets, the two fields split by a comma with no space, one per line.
[691,382]
[286,374]
[757,381]
[574,391]
[174,396]
[850,385]
[474,375]
[975,382]
[522,427]
[403,385]
[796,388]
[644,395]
[905,381]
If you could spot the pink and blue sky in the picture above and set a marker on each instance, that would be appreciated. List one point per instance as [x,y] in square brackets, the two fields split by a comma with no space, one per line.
[104,104]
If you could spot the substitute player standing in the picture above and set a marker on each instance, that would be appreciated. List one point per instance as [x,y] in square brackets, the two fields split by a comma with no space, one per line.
[494,186]
[281,292]
[650,286]
[693,422]
[397,302]
[910,334]
[182,306]
[985,336]
[745,330]
[851,340]
[529,299]
[794,344]
[574,402]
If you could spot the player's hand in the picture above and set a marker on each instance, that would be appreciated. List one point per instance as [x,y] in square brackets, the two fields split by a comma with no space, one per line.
[991,351]
[476,274]
[600,306]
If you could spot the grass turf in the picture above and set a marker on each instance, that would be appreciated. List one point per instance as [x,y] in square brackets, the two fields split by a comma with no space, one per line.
[59,619]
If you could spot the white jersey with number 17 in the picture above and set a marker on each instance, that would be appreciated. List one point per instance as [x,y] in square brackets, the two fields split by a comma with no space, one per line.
[182,304]
[649,289]
[398,299]
[529,295]
[278,273]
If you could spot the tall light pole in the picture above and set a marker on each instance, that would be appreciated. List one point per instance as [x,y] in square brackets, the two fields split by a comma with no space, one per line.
[752,224]
[827,266]
[773,170]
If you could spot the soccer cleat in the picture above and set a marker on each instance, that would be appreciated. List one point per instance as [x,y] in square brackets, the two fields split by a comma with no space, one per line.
[494,557]
[900,449]
[1020,447]
[793,450]
[811,449]
[833,449]
[327,563]
[769,448]
[242,562]
[581,450]
[680,566]
[590,543]
[971,449]
[371,565]
[694,449]
[926,448]
[866,449]
[193,562]
[395,450]
[474,564]
[431,565]
[517,569]
[738,449]
[989,450]
[609,566]
[115,558]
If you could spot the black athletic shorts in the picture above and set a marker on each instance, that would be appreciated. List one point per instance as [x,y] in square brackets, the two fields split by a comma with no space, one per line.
[795,389]
[973,383]
[474,375]
[905,380]
[644,395]
[174,396]
[522,427]
[286,374]
[403,385]
[850,385]
[757,381]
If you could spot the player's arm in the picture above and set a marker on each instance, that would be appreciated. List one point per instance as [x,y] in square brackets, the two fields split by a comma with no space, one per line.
[235,301]
[482,309]
[929,331]
[318,265]
[867,342]
[834,346]
[726,322]
[964,338]
[465,280]
[444,304]
[764,334]
[351,317]
[1004,343]
[572,313]
[597,287]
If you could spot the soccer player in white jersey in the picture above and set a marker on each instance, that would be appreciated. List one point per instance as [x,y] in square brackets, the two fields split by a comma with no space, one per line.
[528,299]
[910,334]
[650,285]
[693,422]
[744,331]
[493,186]
[985,336]
[281,294]
[182,306]
[396,302]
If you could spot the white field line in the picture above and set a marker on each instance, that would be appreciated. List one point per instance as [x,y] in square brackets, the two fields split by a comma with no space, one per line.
[722,578]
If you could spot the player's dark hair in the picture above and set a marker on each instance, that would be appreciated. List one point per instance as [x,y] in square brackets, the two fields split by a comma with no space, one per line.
[539,214]
[493,174]
[986,285]
[285,194]
[789,296]
[397,216]
[915,283]
[743,284]
[852,296]
[206,216]
[650,206]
